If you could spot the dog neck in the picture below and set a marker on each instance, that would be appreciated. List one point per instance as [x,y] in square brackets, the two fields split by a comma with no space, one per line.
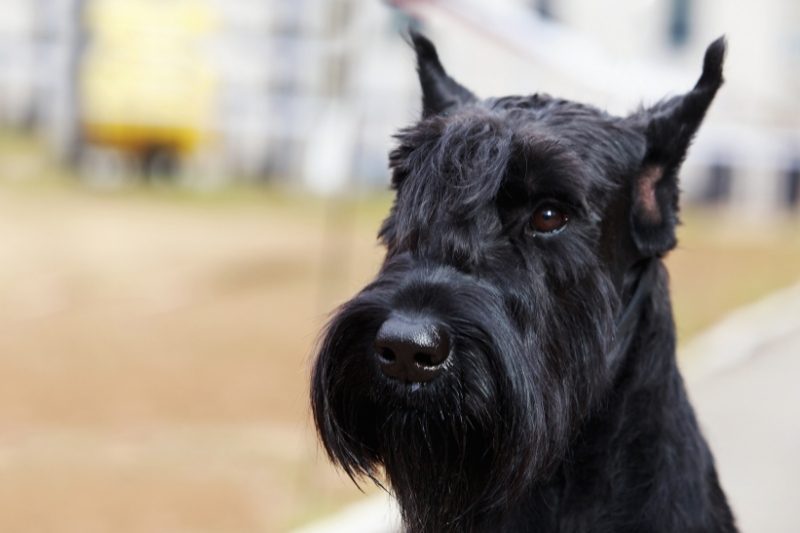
[660,465]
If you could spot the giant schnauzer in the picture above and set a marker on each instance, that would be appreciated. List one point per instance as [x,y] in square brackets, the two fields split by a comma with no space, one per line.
[512,366]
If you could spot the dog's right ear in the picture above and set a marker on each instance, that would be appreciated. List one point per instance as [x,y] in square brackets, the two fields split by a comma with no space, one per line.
[440,92]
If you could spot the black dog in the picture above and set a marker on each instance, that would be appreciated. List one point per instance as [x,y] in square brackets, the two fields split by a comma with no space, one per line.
[512,367]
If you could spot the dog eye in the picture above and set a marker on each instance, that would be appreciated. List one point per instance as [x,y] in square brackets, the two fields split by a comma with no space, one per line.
[548,219]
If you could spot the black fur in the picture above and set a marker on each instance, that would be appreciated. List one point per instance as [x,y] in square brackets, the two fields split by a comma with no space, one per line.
[563,409]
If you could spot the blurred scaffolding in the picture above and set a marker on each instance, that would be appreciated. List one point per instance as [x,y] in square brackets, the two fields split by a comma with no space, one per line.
[309,91]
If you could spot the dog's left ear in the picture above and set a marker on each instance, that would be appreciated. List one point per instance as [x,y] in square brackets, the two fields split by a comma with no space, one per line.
[669,127]
[440,92]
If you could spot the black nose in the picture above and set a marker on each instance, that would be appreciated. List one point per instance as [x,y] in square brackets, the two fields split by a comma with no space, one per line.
[411,349]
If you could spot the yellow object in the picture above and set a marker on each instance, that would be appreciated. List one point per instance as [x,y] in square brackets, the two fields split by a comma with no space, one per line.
[145,79]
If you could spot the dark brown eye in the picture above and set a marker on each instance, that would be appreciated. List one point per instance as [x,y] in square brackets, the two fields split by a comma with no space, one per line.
[548,219]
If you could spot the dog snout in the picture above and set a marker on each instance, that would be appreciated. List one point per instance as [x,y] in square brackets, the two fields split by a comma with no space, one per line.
[412,349]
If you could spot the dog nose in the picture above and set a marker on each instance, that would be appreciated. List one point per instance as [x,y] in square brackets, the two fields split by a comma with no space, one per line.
[411,349]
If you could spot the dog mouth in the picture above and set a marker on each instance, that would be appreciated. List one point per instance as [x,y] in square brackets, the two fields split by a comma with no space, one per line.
[405,391]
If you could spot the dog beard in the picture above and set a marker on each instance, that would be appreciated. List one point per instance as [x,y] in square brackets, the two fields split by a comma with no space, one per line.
[448,465]
[475,439]
[452,449]
[450,452]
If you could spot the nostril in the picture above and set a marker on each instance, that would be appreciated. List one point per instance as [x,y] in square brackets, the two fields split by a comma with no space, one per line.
[386,355]
[424,359]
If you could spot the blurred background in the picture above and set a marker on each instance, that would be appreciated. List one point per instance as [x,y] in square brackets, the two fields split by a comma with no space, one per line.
[189,187]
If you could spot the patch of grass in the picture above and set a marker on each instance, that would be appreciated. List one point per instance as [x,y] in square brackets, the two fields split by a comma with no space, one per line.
[718,266]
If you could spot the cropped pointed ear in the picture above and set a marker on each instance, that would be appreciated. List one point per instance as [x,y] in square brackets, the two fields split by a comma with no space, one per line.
[669,127]
[440,92]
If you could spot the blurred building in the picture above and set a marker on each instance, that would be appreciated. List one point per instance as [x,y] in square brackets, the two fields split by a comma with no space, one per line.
[39,42]
[310,91]
[17,60]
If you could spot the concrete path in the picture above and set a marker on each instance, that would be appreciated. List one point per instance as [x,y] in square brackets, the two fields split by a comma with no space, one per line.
[377,514]
[743,376]
[749,409]
[750,416]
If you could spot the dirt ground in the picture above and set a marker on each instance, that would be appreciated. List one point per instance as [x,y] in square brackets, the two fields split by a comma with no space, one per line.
[154,360]
[154,351]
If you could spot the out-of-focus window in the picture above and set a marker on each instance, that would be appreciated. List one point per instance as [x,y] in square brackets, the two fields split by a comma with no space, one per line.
[679,22]
[791,187]
[544,8]
[718,186]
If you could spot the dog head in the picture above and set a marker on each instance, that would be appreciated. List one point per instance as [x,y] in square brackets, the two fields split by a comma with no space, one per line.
[518,232]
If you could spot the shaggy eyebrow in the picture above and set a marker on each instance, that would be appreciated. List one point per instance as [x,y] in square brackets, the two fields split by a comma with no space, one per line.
[546,169]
